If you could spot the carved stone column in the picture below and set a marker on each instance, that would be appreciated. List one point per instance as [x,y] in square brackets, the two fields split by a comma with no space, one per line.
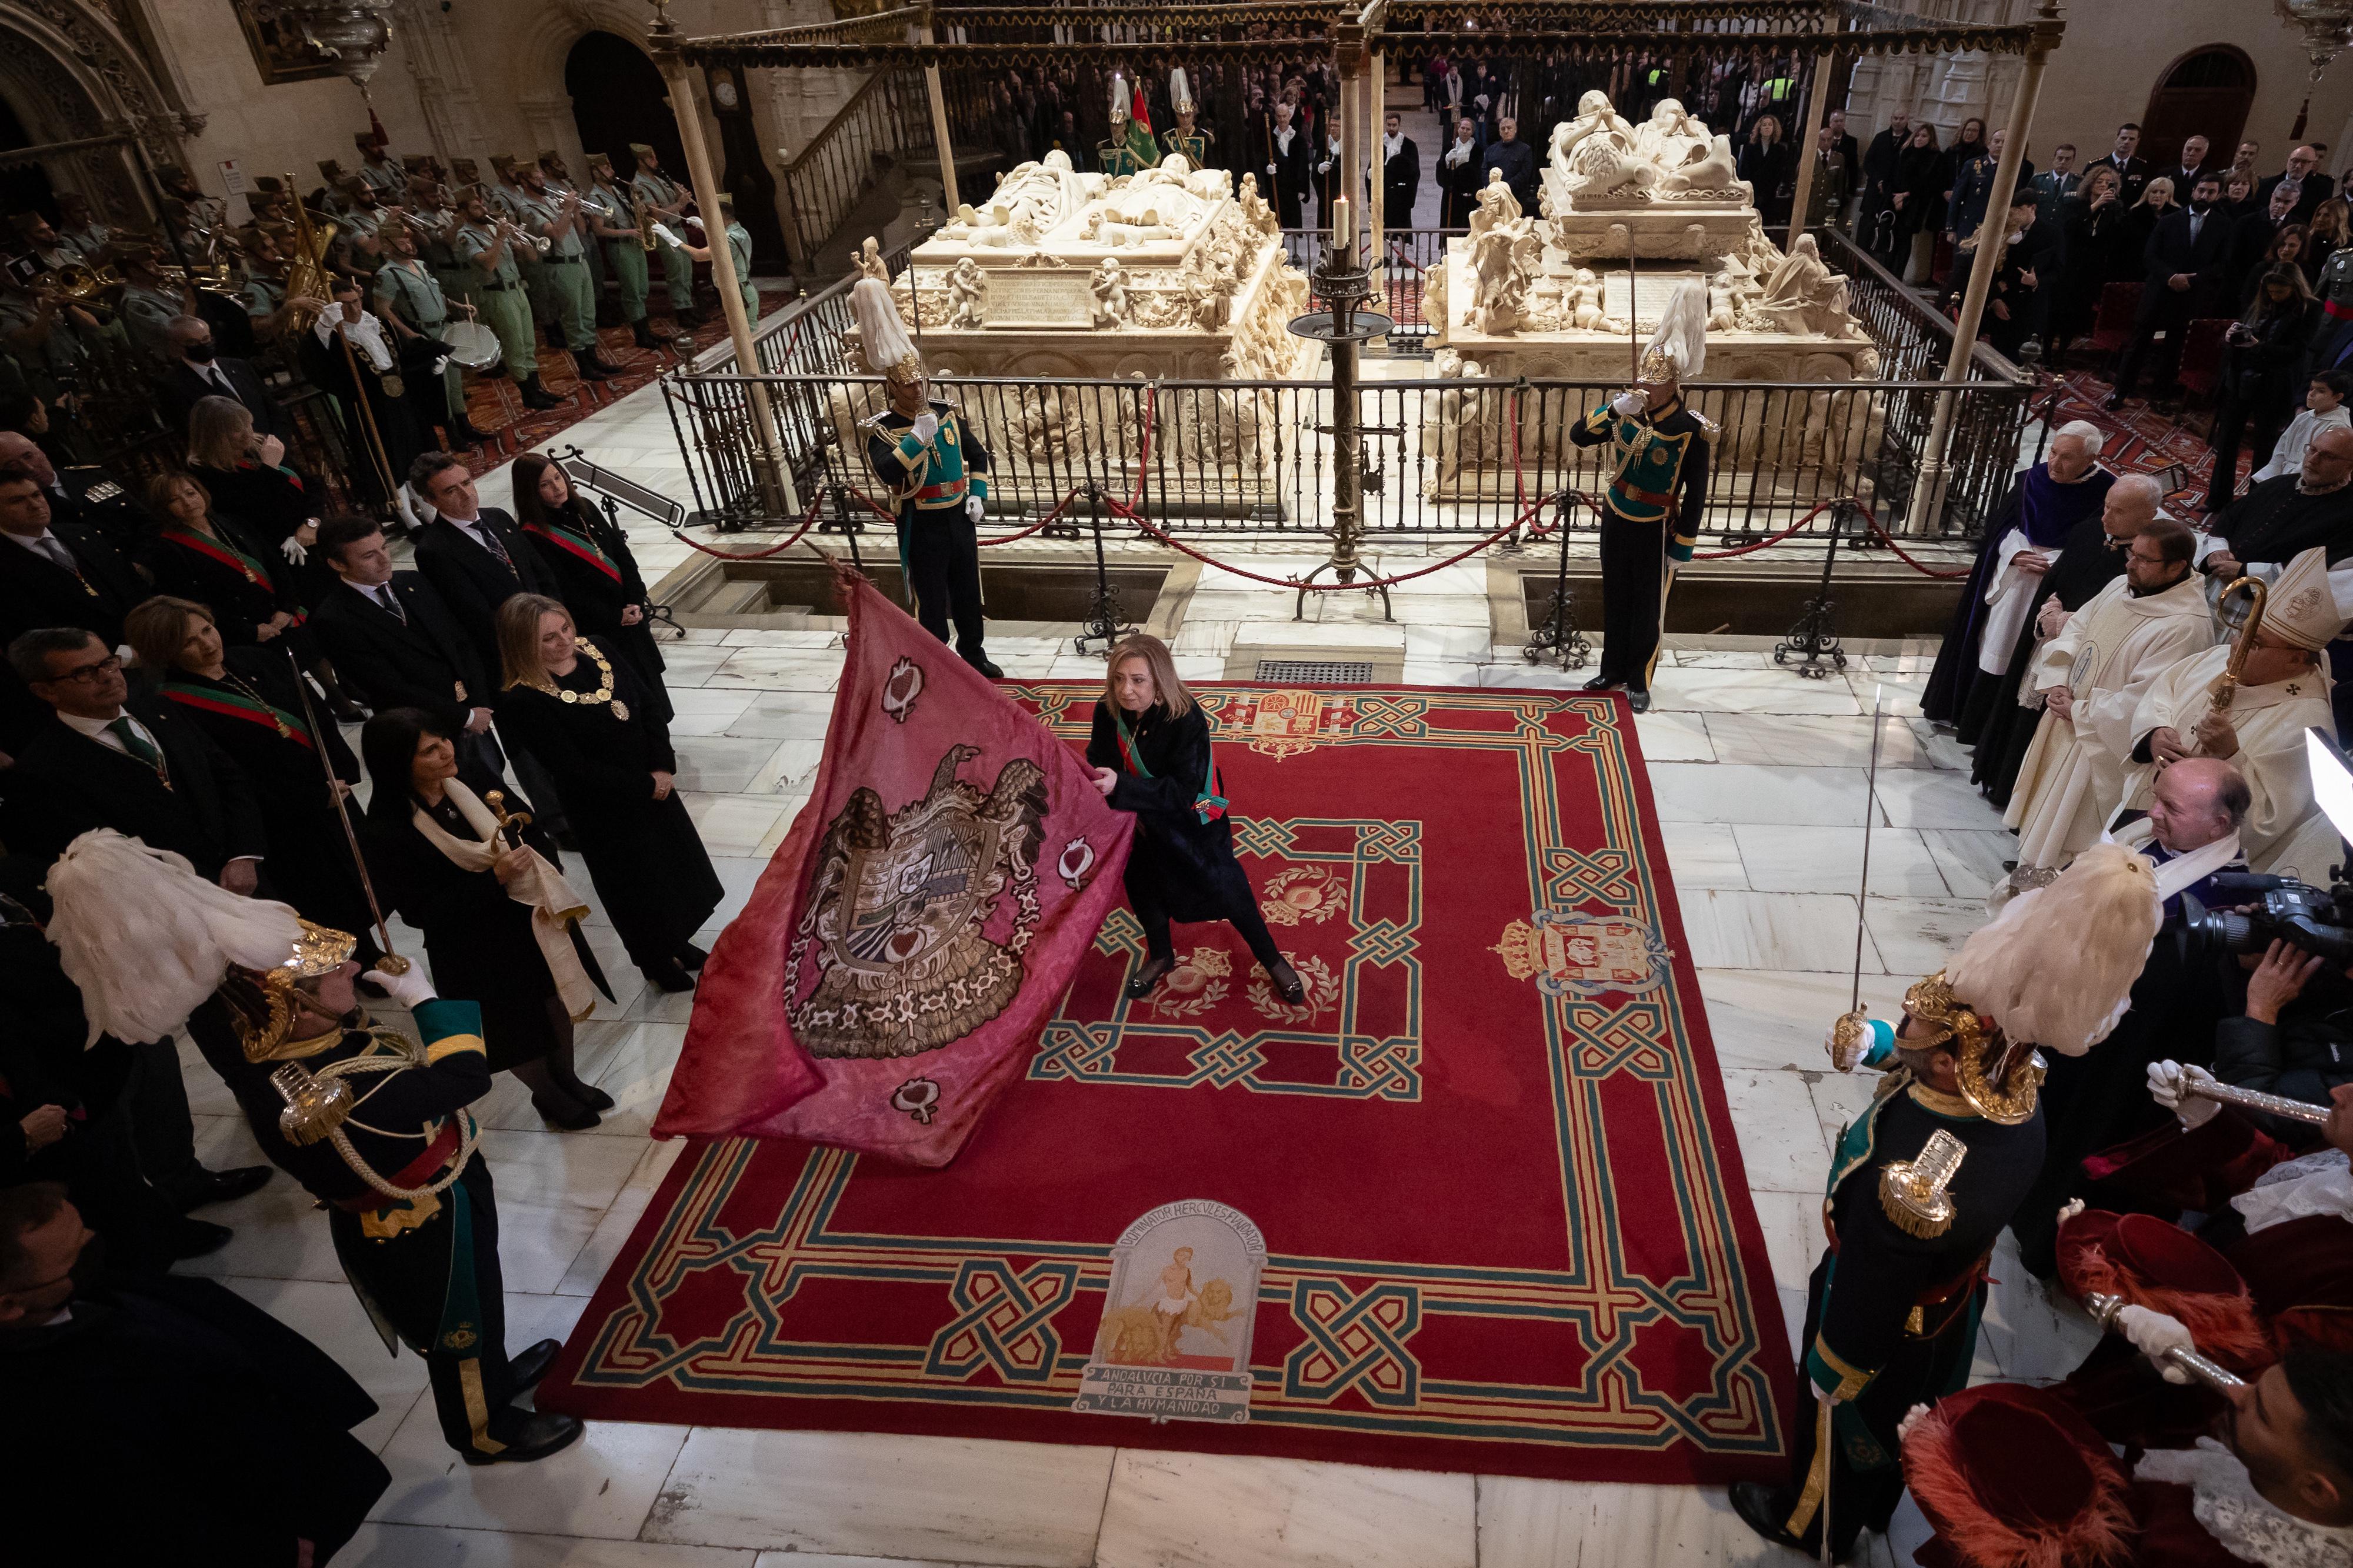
[445,85]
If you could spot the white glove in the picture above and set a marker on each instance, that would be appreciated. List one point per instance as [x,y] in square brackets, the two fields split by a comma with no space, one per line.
[408,989]
[974,507]
[2166,1081]
[1912,1418]
[927,425]
[2153,1334]
[2069,1209]
[1269,169]
[292,549]
[1630,405]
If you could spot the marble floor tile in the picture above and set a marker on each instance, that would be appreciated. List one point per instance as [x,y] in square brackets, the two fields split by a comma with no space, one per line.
[1720,792]
[721,764]
[1939,746]
[1900,692]
[1792,1224]
[785,716]
[1775,1019]
[733,824]
[1702,854]
[619,1219]
[1219,1511]
[432,1546]
[686,666]
[1440,672]
[1198,636]
[1749,691]
[1913,798]
[777,669]
[1783,860]
[1733,930]
[1916,936]
[1529,1523]
[604,1485]
[1839,1097]
[1821,740]
[1781,1142]
[1674,737]
[1541,677]
[791,769]
[280,1232]
[553,1187]
[636,1073]
[1468,642]
[1972,858]
[700,712]
[868,1494]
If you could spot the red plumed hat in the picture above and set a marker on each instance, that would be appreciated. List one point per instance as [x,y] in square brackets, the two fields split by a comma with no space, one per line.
[2011,1477]
[2153,1264]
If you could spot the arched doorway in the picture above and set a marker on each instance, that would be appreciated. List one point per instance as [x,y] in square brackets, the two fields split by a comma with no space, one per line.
[618,98]
[24,187]
[2207,92]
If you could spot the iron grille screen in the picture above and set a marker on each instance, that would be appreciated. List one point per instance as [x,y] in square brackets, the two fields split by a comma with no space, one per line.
[1314,672]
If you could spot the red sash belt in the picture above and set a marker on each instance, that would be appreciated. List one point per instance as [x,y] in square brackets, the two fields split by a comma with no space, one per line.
[2342,312]
[416,1174]
[947,490]
[1651,497]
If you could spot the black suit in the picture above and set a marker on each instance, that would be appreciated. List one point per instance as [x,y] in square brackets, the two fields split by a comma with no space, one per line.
[2316,188]
[2170,253]
[182,388]
[1400,185]
[35,592]
[65,783]
[2185,181]
[1458,185]
[474,582]
[182,1385]
[421,663]
[1292,170]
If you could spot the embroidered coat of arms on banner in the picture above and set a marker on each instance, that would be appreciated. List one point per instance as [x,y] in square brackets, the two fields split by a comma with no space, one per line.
[918,925]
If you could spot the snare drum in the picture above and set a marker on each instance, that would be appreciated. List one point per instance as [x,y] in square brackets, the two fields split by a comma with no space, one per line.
[473,345]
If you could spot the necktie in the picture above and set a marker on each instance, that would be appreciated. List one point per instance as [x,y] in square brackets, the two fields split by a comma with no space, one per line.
[490,542]
[136,743]
[390,601]
[55,549]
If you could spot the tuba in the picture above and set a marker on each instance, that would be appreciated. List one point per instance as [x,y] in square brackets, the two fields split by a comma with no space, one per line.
[2243,641]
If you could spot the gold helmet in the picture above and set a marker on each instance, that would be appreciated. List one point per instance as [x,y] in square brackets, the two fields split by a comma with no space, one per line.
[270,1027]
[1678,347]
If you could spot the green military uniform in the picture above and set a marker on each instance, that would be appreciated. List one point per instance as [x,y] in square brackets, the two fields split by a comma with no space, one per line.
[1193,147]
[512,201]
[498,296]
[939,552]
[625,258]
[739,247]
[656,189]
[437,232]
[147,315]
[595,253]
[407,289]
[1659,478]
[263,295]
[1892,1311]
[564,273]
[1116,158]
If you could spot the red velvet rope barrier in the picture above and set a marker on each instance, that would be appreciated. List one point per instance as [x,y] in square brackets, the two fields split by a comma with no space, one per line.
[1869,517]
[1365,585]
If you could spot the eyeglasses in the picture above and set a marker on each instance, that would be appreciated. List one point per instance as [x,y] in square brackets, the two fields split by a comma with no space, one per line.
[111,664]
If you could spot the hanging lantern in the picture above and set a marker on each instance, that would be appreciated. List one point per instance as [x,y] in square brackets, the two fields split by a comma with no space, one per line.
[353,33]
[2328,28]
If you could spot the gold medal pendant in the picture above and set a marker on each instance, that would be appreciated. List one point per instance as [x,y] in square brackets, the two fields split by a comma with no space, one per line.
[620,710]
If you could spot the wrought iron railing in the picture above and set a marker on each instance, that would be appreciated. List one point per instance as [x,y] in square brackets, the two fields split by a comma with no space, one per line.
[1442,457]
[889,115]
[1408,255]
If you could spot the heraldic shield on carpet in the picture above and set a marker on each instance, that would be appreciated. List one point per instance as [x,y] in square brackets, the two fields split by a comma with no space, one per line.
[1478,1202]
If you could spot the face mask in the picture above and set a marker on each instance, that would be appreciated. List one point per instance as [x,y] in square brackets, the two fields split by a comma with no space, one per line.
[201,353]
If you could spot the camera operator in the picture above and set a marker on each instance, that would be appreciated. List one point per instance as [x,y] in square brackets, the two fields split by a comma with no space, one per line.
[2296,1038]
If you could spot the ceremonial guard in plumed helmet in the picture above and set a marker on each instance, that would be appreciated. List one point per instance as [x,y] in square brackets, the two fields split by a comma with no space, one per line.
[932,462]
[371,1122]
[1657,489]
[1923,1180]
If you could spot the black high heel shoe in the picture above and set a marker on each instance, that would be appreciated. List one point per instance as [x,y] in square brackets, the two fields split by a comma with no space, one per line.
[1141,984]
[589,1095]
[561,1110]
[1287,984]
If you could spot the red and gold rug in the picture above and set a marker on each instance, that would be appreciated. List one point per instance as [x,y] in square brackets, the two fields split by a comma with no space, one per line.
[1507,1225]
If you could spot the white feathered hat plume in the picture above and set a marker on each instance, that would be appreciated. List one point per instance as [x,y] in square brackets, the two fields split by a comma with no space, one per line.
[1678,349]
[147,940]
[1120,102]
[1180,91]
[2056,967]
[882,335]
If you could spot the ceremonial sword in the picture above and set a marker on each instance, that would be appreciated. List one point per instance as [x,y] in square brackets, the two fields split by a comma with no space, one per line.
[391,962]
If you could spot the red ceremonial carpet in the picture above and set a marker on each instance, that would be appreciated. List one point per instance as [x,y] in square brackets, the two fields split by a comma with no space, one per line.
[1505,1223]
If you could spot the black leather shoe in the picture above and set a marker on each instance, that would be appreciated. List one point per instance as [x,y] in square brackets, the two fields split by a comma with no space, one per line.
[691,958]
[641,333]
[667,976]
[543,1433]
[565,1113]
[1602,683]
[2115,400]
[1141,984]
[195,1237]
[525,1370]
[1287,984]
[987,667]
[1765,1510]
[221,1187]
[1638,699]
[587,368]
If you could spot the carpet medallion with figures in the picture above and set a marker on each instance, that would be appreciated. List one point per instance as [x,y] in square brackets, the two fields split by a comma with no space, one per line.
[1504,1221]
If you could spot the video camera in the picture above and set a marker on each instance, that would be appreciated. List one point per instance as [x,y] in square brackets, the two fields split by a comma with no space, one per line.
[2319,921]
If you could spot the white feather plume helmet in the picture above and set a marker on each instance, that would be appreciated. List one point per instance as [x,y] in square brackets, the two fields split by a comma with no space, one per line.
[1180,91]
[2055,969]
[882,335]
[1678,348]
[146,940]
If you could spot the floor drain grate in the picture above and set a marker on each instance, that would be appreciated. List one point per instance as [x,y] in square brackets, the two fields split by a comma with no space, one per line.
[1314,672]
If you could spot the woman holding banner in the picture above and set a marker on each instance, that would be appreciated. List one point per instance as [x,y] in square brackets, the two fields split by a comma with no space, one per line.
[1150,750]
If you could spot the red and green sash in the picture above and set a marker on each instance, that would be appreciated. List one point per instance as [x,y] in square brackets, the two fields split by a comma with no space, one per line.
[1209,805]
[577,544]
[227,555]
[238,705]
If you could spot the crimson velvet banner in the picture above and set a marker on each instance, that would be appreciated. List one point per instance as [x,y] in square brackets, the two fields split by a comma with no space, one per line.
[919,924]
[1504,1226]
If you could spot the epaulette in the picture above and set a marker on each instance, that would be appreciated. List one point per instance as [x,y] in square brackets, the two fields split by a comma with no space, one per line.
[1912,1192]
[1708,429]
